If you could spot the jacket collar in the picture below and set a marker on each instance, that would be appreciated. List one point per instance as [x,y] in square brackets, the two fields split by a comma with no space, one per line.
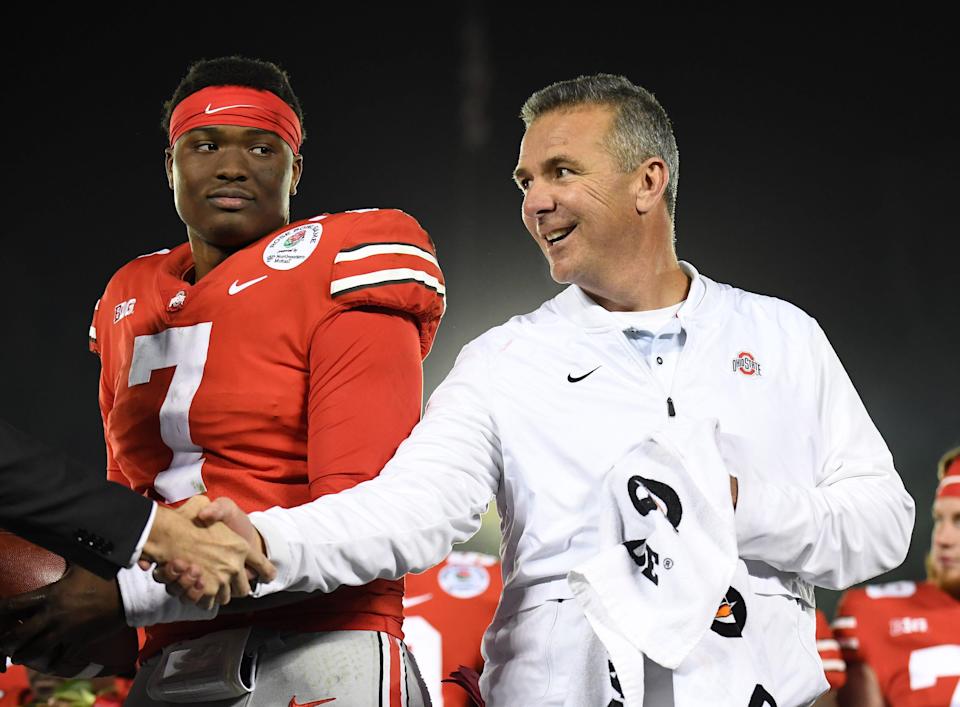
[577,306]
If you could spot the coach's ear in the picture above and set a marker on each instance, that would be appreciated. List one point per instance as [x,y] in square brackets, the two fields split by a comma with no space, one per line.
[649,184]
[168,165]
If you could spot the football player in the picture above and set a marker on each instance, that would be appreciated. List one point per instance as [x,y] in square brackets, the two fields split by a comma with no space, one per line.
[901,641]
[447,609]
[266,361]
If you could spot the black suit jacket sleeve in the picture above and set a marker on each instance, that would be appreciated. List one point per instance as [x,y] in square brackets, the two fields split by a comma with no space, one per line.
[48,500]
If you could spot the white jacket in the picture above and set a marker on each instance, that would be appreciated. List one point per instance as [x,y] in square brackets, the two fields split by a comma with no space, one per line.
[820,502]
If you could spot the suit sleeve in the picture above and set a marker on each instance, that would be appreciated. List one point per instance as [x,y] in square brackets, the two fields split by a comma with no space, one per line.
[856,523]
[51,502]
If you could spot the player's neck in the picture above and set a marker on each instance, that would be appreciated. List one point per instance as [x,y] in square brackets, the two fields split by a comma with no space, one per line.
[206,257]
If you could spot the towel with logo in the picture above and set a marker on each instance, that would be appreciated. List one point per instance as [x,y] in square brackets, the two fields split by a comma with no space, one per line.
[667,597]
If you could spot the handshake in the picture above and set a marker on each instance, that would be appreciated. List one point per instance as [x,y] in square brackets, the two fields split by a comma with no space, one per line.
[206,552]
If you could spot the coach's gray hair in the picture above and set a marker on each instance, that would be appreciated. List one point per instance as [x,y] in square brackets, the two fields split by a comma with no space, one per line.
[641,129]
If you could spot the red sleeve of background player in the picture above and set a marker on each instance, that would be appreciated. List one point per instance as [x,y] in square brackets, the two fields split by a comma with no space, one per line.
[366,386]
[846,626]
[834,666]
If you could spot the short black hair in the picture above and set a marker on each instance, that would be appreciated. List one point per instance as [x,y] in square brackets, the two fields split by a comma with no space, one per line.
[234,71]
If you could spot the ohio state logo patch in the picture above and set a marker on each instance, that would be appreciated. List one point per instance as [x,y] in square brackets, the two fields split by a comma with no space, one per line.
[745,363]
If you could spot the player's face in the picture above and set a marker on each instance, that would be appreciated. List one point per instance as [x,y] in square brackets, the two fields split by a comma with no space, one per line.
[578,205]
[945,550]
[231,184]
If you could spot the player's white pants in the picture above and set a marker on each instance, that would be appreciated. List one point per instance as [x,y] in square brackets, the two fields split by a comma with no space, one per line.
[531,658]
[348,668]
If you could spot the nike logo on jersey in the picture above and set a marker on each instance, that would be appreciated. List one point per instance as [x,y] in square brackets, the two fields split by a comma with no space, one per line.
[577,379]
[294,703]
[414,601]
[210,111]
[238,287]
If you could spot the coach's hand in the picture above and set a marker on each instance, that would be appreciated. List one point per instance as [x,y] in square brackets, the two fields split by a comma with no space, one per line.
[212,556]
[61,618]
[184,577]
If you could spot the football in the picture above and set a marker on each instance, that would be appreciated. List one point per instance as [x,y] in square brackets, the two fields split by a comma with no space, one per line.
[25,567]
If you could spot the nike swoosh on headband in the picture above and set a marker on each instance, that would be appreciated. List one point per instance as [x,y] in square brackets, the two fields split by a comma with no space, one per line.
[210,111]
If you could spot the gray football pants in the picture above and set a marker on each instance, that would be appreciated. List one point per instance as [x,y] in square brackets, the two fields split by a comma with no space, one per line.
[346,668]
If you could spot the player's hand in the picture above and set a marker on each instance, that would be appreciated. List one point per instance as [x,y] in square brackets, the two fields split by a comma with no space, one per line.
[207,552]
[734,490]
[61,619]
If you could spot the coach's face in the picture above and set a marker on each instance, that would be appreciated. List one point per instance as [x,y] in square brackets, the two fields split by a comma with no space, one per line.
[232,184]
[945,552]
[578,205]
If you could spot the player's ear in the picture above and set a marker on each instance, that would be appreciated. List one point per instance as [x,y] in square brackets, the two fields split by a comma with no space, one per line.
[168,165]
[297,171]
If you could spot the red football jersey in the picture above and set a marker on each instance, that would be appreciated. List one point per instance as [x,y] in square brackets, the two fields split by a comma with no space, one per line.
[909,634]
[828,648]
[14,686]
[447,609]
[290,371]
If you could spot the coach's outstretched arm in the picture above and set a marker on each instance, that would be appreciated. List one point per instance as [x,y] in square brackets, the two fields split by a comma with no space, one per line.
[856,523]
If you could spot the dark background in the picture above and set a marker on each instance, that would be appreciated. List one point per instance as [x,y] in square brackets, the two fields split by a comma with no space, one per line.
[817,164]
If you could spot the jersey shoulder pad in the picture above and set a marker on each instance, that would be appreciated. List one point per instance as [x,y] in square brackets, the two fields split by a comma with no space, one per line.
[385,259]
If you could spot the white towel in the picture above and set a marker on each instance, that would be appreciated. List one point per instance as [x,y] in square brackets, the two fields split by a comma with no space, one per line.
[656,595]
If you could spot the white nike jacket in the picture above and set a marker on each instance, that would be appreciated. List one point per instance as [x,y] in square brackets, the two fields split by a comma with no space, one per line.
[820,502]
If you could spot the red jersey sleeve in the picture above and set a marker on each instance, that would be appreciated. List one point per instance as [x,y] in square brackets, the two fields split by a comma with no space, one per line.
[834,666]
[366,386]
[846,626]
[387,260]
[92,334]
[106,397]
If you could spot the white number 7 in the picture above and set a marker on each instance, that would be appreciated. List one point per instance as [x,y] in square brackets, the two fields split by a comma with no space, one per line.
[185,348]
[929,664]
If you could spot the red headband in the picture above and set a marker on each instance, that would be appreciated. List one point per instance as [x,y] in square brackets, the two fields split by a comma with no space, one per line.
[236,105]
[950,483]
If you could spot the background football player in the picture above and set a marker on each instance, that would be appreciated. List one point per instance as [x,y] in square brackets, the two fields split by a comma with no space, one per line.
[447,609]
[901,641]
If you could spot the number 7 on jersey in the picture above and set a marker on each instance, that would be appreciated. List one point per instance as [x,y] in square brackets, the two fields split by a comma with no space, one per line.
[186,349]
